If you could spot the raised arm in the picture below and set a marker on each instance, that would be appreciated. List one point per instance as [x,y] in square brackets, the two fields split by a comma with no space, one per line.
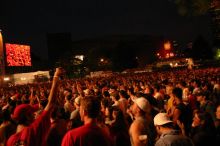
[51,98]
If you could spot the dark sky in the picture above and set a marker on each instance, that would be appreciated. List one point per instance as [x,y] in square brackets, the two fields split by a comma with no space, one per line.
[28,21]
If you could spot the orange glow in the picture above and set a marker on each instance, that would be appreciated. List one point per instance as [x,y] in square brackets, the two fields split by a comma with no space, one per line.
[167,45]
[171,54]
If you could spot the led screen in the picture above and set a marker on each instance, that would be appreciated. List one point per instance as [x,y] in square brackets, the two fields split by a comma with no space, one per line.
[18,55]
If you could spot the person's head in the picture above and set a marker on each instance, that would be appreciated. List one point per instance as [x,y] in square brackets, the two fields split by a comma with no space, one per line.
[89,107]
[57,113]
[183,84]
[115,97]
[141,106]
[43,103]
[162,122]
[201,95]
[177,93]
[88,92]
[130,91]
[68,97]
[169,89]
[117,113]
[24,114]
[106,94]
[156,87]
[218,112]
[77,102]
[123,94]
[67,92]
[196,83]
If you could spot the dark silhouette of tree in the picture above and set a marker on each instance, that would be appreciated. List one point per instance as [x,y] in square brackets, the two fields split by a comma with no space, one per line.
[201,7]
[123,57]
[201,49]
[93,57]
[192,7]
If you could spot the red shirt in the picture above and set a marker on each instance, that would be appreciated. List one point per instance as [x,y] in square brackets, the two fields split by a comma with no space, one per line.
[33,135]
[87,135]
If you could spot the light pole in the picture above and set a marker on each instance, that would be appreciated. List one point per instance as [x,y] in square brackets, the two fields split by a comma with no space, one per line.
[2,62]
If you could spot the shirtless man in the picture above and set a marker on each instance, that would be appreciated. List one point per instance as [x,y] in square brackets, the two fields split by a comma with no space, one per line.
[140,130]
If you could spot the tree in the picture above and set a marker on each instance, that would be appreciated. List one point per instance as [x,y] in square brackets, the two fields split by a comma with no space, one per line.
[193,7]
[201,7]
[201,49]
[124,57]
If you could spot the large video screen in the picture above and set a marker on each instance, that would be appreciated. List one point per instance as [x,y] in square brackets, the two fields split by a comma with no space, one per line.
[18,55]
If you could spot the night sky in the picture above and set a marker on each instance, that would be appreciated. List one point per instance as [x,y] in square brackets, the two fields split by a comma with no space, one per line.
[28,22]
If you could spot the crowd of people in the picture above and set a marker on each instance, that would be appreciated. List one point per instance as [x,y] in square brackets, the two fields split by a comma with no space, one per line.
[18,55]
[178,108]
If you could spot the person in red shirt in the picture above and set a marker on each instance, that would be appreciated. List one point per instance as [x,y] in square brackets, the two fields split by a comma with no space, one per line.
[90,134]
[31,132]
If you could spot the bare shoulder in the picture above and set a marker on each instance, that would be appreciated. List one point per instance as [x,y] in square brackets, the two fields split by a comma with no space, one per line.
[136,125]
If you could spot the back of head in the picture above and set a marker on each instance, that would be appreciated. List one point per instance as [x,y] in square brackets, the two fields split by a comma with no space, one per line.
[69,97]
[123,93]
[156,87]
[183,83]
[5,115]
[91,106]
[24,113]
[177,92]
[58,113]
[106,94]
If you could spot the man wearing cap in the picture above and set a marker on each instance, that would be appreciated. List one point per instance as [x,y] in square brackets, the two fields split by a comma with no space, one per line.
[31,132]
[169,136]
[141,132]
[75,116]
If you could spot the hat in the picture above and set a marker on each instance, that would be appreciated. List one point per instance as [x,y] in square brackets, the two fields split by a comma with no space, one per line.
[161,119]
[24,109]
[86,91]
[142,103]
[77,100]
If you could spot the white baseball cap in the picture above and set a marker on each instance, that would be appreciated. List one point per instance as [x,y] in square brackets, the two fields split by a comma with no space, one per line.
[142,103]
[161,119]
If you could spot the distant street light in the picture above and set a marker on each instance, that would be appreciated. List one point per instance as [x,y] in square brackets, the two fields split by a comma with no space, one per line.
[6,78]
